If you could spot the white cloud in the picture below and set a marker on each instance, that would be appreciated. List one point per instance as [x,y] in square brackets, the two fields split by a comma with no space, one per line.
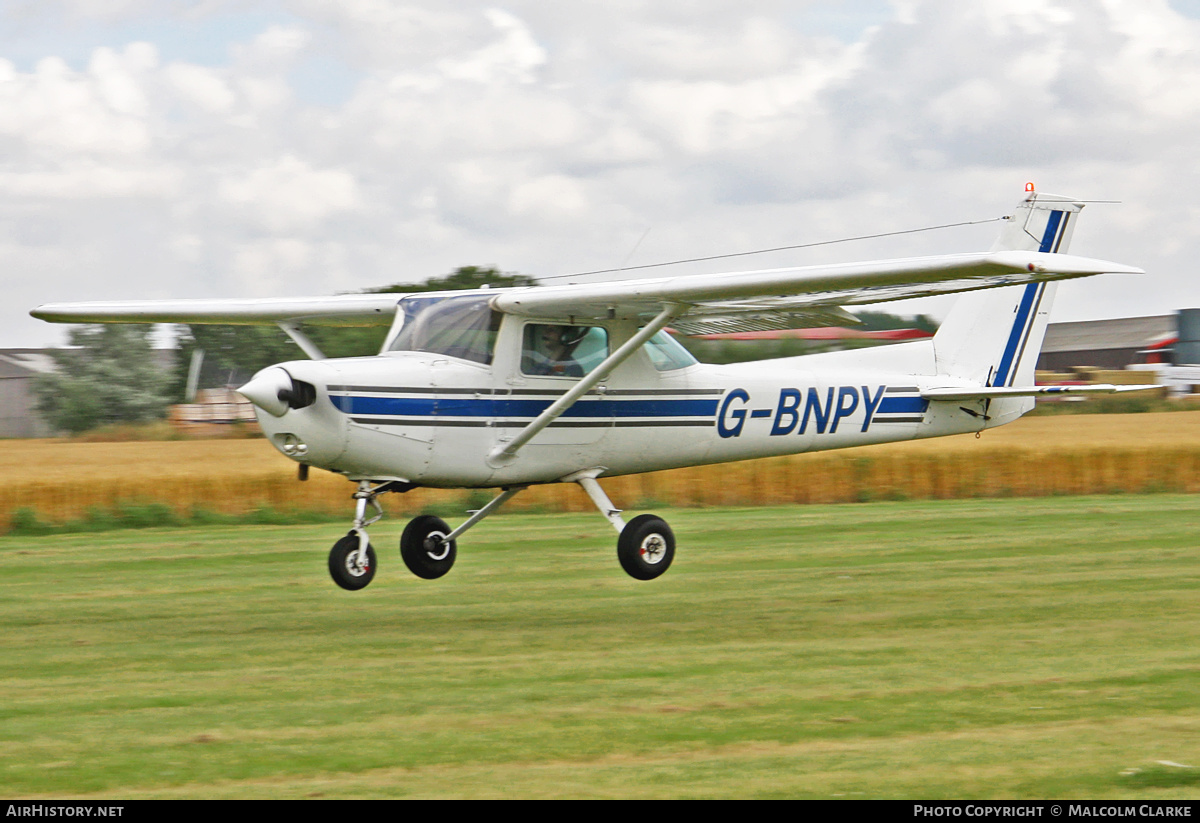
[551,197]
[281,42]
[119,80]
[514,56]
[289,195]
[1025,17]
[547,138]
[89,180]
[96,112]
[201,86]
[269,265]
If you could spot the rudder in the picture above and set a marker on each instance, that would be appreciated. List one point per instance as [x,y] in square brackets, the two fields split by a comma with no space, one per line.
[993,337]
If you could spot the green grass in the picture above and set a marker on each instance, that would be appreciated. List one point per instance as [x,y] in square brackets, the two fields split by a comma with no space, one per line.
[987,649]
[27,522]
[1131,403]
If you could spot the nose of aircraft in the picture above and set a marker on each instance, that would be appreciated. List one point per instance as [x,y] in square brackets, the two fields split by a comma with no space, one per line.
[269,390]
[286,400]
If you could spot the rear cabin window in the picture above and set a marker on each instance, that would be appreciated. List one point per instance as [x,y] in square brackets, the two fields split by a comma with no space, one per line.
[462,327]
[562,351]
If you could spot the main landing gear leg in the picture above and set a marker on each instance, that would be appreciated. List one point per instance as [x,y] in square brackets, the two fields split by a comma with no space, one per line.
[646,545]
[429,547]
[352,559]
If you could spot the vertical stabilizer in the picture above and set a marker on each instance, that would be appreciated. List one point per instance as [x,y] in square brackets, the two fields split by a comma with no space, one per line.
[993,337]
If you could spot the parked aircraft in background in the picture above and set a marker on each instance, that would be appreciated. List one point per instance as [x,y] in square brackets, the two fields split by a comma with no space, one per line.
[508,388]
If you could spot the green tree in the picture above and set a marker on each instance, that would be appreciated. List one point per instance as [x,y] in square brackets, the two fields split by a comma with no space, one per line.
[111,375]
[882,321]
[464,277]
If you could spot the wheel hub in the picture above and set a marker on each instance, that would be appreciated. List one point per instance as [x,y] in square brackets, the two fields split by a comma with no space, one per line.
[353,566]
[436,546]
[653,549]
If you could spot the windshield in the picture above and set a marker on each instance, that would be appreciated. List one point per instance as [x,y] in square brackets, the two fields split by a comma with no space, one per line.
[667,353]
[463,327]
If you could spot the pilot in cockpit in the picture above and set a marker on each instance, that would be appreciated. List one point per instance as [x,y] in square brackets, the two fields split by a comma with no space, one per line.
[549,350]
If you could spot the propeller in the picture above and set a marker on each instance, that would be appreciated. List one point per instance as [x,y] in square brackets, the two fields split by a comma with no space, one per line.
[275,391]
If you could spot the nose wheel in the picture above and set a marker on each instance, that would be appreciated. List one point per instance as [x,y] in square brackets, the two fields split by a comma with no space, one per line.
[352,562]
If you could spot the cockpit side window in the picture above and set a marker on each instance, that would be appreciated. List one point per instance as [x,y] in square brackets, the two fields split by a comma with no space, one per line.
[463,327]
[562,351]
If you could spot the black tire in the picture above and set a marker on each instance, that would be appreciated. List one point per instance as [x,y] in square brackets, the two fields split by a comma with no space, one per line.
[427,558]
[646,547]
[343,567]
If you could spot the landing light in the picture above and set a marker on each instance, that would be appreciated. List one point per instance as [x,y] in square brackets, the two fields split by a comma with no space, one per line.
[291,445]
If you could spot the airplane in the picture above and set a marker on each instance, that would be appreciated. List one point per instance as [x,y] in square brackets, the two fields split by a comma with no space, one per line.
[514,387]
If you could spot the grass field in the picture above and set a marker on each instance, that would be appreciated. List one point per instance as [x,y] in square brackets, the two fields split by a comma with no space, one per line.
[1036,648]
[69,484]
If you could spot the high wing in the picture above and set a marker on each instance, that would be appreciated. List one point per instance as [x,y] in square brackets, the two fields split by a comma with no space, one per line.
[337,310]
[808,296]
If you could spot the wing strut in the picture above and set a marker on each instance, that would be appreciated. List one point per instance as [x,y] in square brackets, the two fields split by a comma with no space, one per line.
[507,451]
[301,339]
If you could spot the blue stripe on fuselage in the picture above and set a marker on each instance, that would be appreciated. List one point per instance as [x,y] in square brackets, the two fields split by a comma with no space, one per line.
[903,405]
[487,407]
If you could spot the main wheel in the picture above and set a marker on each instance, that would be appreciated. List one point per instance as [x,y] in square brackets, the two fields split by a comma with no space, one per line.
[646,547]
[346,565]
[424,548]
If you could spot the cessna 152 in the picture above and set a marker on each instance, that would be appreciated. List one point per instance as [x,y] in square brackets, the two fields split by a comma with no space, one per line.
[507,388]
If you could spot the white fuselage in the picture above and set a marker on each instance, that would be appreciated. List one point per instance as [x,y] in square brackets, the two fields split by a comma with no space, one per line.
[433,420]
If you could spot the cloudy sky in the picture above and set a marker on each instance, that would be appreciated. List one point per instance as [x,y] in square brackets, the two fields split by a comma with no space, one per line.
[209,148]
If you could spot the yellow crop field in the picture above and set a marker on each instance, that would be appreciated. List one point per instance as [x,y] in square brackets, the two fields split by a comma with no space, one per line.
[1077,454]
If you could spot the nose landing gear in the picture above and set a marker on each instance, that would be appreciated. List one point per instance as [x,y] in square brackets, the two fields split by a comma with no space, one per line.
[427,546]
[352,559]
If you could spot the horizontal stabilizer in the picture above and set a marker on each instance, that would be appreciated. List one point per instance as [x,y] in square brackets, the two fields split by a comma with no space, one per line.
[986,392]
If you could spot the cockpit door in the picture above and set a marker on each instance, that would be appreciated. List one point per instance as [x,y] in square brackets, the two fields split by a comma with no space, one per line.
[547,360]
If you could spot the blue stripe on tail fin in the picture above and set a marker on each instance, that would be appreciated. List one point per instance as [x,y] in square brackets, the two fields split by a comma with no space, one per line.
[1018,337]
[993,337]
